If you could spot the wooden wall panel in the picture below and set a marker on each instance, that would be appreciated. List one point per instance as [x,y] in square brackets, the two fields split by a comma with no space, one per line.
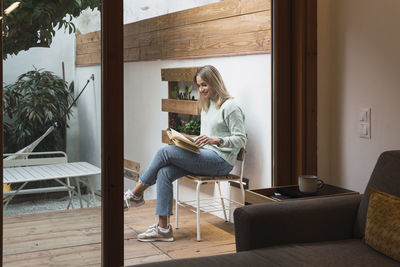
[178,74]
[224,9]
[188,107]
[231,27]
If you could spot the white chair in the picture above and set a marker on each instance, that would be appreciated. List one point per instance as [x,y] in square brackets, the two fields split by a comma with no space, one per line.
[209,204]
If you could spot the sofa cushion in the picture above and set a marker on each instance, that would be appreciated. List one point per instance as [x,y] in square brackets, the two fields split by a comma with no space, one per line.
[382,231]
[350,252]
[246,258]
[385,178]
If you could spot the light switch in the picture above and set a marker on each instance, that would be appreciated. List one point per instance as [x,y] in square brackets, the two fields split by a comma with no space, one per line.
[365,123]
[363,116]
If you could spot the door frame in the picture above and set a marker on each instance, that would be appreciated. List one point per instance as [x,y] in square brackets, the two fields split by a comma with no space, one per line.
[112,176]
[112,234]
[294,90]
[294,109]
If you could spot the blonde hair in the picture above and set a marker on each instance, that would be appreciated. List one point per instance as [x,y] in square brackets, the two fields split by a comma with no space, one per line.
[213,78]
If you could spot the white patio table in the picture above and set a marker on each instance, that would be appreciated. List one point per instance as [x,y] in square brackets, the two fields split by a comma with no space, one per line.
[49,168]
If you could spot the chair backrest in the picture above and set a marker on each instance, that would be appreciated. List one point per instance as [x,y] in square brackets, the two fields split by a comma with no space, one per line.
[241,154]
[385,177]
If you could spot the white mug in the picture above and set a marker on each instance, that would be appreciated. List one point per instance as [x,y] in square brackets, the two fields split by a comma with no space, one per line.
[309,183]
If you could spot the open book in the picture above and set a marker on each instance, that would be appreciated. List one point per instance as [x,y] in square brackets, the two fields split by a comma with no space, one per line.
[182,141]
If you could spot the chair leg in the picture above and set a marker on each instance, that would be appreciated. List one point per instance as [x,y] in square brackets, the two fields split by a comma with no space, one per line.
[70,204]
[77,181]
[90,182]
[198,209]
[230,204]
[12,196]
[176,204]
[222,200]
[243,194]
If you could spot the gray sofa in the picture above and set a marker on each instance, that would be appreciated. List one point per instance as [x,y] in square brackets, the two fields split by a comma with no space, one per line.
[315,232]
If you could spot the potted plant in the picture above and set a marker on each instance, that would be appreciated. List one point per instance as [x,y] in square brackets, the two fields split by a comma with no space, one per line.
[31,105]
[183,94]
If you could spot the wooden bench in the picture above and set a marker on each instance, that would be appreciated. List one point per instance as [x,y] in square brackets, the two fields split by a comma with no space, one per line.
[41,166]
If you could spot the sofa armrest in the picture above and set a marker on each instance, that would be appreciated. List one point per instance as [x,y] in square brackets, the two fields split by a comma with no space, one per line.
[300,221]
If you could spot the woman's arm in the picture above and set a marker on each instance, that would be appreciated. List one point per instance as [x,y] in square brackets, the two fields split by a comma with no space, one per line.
[205,140]
[235,123]
[237,137]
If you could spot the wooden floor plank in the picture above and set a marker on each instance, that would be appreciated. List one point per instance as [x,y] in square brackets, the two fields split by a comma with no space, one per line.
[73,238]
[51,215]
[72,256]
[146,259]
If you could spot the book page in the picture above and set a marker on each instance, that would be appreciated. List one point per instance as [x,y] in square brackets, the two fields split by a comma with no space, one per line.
[178,134]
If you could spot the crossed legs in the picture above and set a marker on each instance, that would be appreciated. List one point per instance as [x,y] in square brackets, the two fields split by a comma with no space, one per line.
[171,163]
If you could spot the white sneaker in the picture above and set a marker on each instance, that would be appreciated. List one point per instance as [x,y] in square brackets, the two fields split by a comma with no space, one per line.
[155,234]
[130,200]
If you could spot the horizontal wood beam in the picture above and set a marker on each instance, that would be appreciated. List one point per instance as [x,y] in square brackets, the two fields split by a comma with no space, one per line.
[131,165]
[223,9]
[188,107]
[178,74]
[231,27]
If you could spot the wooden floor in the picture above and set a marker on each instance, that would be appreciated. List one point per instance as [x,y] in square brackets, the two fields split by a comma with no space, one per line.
[72,238]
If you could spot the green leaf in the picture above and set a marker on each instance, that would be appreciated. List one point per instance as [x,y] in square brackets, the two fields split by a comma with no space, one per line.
[31,104]
[34,23]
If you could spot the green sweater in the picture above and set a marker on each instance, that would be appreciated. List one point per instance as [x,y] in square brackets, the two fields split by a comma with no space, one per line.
[227,123]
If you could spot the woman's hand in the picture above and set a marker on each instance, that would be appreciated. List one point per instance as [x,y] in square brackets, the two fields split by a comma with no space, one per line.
[205,140]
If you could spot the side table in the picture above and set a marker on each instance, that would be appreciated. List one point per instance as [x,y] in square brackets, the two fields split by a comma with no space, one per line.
[291,192]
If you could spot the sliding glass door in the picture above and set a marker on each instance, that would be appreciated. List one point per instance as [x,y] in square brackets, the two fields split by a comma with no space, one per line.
[52,130]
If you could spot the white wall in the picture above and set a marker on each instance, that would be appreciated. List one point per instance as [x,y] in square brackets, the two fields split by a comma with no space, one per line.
[135,10]
[82,145]
[89,114]
[61,50]
[247,79]
[358,67]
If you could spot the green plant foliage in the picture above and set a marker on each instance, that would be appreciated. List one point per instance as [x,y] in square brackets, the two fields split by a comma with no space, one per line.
[34,22]
[189,126]
[31,105]
[188,91]
[175,93]
[192,127]
[174,121]
[185,95]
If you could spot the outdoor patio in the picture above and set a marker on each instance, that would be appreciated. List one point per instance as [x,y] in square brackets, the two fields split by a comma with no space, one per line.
[73,238]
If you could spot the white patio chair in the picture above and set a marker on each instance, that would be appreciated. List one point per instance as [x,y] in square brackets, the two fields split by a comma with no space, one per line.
[209,204]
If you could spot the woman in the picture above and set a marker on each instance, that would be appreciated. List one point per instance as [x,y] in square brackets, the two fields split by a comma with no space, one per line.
[222,135]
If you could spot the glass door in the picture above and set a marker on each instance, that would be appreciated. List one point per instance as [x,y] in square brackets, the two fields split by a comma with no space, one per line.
[165,43]
[52,125]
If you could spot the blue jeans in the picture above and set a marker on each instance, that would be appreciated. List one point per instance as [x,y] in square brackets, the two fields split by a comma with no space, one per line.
[171,163]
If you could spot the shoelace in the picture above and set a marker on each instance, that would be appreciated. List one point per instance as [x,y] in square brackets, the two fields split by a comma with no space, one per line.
[126,202]
[152,228]
[126,198]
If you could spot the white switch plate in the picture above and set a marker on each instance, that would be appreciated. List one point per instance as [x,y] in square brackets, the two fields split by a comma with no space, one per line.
[365,123]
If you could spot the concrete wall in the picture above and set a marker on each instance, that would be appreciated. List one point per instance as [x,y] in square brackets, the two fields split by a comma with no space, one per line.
[358,67]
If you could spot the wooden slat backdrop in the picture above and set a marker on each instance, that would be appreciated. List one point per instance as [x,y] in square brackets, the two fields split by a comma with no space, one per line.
[230,27]
[178,74]
[188,107]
